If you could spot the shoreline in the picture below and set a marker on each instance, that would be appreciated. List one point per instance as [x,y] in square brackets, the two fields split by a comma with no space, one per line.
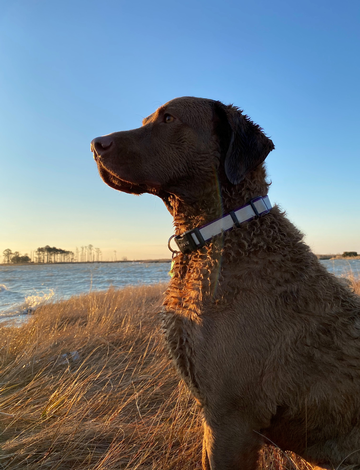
[145,261]
[334,257]
[163,260]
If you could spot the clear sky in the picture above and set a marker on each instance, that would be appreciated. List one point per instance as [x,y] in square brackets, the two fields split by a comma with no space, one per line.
[72,70]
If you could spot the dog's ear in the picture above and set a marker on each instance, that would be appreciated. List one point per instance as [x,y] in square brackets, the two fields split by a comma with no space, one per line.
[245,143]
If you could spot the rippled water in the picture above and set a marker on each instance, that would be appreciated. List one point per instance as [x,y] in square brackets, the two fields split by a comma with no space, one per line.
[23,288]
[343,267]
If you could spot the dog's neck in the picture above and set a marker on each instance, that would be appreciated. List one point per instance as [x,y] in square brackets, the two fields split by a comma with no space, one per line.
[196,276]
[215,201]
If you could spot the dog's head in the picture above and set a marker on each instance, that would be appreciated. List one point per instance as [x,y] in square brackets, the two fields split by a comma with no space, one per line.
[180,147]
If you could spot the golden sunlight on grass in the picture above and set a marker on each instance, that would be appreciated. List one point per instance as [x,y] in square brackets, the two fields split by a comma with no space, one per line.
[86,384]
[355,284]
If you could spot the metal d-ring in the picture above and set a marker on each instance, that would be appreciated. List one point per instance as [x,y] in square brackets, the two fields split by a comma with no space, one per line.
[174,252]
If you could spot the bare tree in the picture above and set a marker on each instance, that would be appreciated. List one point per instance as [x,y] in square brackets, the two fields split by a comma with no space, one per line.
[40,255]
[7,255]
[90,251]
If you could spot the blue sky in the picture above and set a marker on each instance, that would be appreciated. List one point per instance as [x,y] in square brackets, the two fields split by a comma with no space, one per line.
[73,70]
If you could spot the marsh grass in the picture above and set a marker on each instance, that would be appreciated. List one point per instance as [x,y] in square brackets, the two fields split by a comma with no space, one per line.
[87,384]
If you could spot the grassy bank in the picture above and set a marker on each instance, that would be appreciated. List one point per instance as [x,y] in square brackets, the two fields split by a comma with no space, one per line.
[86,384]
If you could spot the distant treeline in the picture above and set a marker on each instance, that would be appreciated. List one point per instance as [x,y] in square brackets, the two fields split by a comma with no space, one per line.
[346,254]
[48,254]
[15,257]
[349,254]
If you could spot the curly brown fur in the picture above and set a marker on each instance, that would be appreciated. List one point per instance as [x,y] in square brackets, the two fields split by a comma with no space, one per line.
[267,340]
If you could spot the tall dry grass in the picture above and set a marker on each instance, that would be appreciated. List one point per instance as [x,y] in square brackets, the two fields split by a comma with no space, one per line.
[354,282]
[87,384]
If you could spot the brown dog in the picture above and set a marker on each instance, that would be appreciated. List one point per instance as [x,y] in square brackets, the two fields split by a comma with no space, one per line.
[267,340]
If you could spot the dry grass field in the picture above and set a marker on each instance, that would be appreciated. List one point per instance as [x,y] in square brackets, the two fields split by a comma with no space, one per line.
[86,384]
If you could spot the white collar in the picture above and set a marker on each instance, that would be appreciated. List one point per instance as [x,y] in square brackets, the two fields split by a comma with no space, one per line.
[197,237]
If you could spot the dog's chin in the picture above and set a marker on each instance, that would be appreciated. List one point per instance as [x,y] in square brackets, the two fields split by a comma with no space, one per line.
[127,186]
[120,185]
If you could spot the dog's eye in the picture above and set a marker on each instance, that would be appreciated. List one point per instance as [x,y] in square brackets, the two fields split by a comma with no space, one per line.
[168,118]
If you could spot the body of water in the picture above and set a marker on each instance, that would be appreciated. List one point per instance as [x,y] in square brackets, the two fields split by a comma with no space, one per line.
[23,288]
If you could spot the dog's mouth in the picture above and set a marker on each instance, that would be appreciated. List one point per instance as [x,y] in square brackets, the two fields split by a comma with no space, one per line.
[115,182]
[124,186]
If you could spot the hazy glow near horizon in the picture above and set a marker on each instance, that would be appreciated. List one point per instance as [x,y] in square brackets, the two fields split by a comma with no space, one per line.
[71,71]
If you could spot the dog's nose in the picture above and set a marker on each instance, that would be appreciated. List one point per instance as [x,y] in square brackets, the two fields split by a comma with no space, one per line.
[100,145]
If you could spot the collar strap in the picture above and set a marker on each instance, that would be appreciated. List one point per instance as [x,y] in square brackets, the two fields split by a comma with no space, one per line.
[196,238]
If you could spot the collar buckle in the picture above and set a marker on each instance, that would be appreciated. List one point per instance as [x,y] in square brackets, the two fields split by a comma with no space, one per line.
[190,241]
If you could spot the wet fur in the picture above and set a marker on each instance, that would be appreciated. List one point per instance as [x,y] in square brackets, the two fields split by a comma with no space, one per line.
[266,339]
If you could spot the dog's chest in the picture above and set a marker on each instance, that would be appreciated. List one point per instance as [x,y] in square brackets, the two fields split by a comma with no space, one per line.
[185,307]
[182,339]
